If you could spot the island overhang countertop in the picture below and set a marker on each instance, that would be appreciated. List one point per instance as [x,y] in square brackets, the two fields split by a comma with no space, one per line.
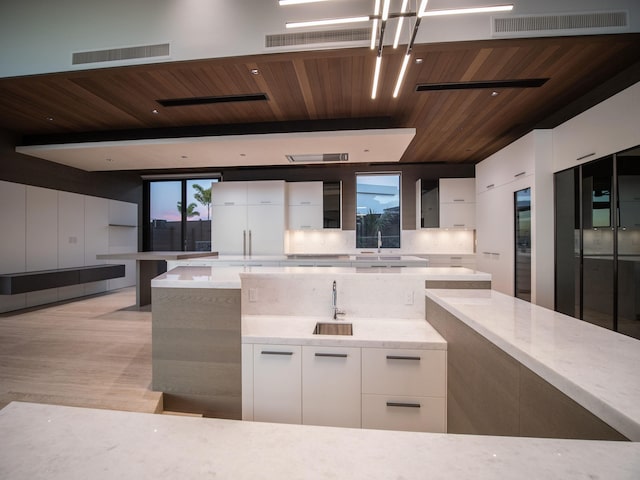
[594,366]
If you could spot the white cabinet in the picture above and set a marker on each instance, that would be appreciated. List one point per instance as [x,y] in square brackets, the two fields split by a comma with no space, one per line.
[305,205]
[248,218]
[457,203]
[331,386]
[123,213]
[277,388]
[404,389]
[457,190]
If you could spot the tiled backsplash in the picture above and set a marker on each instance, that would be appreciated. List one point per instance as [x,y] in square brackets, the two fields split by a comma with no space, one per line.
[413,242]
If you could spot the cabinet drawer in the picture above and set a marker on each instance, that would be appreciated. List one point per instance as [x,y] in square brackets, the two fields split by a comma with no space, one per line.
[305,217]
[417,414]
[458,215]
[404,372]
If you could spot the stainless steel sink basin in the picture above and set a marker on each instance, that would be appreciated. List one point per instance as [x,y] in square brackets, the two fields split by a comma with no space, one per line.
[323,328]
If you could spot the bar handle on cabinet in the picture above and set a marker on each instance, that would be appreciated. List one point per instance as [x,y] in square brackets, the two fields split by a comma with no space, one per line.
[331,355]
[491,185]
[402,357]
[519,174]
[459,224]
[403,404]
[250,244]
[271,352]
[458,199]
[244,243]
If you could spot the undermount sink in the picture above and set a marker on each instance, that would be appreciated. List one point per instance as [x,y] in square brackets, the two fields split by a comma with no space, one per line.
[324,328]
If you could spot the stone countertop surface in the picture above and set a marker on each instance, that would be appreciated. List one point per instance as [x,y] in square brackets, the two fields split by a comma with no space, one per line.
[367,332]
[229,277]
[55,442]
[156,255]
[596,367]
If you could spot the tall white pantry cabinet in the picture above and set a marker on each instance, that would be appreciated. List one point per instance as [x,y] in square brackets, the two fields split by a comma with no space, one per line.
[248,218]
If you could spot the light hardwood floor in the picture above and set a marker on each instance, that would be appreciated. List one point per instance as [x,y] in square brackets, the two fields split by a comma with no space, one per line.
[93,352]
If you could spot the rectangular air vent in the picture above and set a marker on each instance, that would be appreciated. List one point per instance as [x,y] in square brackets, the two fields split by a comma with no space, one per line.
[575,23]
[319,37]
[117,54]
[189,101]
[319,157]
[492,84]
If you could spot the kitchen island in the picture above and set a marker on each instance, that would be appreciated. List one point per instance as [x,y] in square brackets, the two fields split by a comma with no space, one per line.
[196,311]
[56,443]
[520,369]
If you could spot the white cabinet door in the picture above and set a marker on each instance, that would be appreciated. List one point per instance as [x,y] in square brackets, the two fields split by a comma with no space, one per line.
[71,235]
[265,234]
[267,192]
[42,229]
[305,217]
[304,193]
[13,216]
[123,213]
[229,232]
[457,190]
[229,193]
[277,383]
[458,215]
[331,386]
[247,381]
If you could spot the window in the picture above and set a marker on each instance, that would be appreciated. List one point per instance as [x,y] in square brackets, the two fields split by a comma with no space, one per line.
[179,215]
[378,210]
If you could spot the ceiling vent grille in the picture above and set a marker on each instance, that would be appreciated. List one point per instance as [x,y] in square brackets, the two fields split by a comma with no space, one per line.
[319,37]
[319,157]
[597,22]
[117,54]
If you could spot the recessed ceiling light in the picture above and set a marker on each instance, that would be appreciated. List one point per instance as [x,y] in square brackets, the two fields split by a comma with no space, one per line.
[495,94]
[183,156]
[50,119]
[419,61]
[155,111]
[255,71]
[243,154]
[366,150]
[109,159]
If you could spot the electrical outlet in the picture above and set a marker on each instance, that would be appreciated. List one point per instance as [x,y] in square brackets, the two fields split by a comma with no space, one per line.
[253,294]
[408,298]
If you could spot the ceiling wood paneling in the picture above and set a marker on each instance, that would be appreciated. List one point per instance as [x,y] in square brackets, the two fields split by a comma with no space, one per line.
[459,126]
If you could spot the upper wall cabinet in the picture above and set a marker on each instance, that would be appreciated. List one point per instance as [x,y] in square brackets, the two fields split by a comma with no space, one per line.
[305,200]
[123,214]
[457,203]
[447,203]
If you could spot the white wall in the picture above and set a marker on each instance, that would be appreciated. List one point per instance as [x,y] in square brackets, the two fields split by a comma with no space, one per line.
[38,36]
[48,229]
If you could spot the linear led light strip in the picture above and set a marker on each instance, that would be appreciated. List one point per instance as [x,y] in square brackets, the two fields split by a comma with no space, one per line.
[422,12]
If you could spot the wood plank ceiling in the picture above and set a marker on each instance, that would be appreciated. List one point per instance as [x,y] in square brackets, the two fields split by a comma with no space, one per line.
[456,126]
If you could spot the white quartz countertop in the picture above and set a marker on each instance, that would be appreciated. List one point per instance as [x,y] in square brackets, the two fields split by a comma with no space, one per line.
[367,332]
[229,277]
[156,255]
[55,443]
[596,367]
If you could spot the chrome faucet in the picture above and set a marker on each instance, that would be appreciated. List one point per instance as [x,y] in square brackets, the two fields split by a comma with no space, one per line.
[334,302]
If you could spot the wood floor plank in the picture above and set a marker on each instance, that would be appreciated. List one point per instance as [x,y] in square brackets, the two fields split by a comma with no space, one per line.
[93,352]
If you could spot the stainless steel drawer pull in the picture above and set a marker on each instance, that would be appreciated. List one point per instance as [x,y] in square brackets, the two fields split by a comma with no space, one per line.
[332,355]
[229,203]
[402,404]
[402,357]
[458,224]
[519,174]
[491,185]
[265,202]
[269,352]
[458,199]
[305,203]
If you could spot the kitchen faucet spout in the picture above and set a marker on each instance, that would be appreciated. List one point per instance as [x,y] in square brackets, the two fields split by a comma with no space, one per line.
[334,302]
